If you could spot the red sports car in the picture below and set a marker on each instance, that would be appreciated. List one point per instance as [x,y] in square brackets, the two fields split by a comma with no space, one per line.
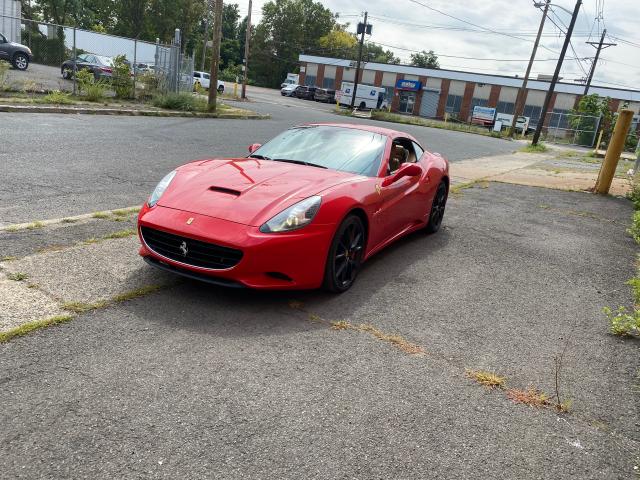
[302,211]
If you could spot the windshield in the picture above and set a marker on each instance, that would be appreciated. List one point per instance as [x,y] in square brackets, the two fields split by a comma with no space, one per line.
[345,149]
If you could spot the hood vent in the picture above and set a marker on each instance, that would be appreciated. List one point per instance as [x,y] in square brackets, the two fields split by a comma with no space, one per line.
[228,191]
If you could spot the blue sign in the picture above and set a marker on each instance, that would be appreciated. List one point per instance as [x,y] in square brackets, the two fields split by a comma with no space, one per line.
[412,85]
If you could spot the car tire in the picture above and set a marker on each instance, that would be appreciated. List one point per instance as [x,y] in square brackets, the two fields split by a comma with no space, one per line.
[345,255]
[220,89]
[362,106]
[21,61]
[66,73]
[437,208]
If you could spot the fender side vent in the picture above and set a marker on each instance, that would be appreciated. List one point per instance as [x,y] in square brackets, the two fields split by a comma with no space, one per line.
[227,191]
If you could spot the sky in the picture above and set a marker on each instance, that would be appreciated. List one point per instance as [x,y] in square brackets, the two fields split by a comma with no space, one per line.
[501,39]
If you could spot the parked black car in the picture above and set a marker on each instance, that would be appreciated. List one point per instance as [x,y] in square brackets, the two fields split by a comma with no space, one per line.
[307,93]
[300,91]
[19,55]
[324,95]
[101,67]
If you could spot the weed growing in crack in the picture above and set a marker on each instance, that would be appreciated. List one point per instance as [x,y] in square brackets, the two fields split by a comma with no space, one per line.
[17,276]
[488,379]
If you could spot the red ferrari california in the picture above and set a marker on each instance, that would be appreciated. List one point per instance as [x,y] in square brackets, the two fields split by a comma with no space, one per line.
[302,211]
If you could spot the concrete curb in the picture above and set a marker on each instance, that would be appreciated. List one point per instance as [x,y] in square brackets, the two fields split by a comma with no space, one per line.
[128,112]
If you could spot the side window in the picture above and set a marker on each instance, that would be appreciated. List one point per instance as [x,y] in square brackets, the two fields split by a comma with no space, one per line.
[419,151]
[196,74]
[2,39]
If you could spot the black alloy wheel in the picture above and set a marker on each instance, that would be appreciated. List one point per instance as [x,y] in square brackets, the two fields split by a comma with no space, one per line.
[345,255]
[20,61]
[437,208]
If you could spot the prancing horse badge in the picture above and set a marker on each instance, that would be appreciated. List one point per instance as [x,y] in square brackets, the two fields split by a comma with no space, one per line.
[378,189]
[190,221]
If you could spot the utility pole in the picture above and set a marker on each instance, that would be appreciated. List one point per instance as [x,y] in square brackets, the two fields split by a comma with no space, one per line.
[522,93]
[206,38]
[247,39]
[599,48]
[556,74]
[355,83]
[215,55]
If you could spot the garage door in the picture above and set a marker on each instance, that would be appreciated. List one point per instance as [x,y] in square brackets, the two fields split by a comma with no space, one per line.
[429,105]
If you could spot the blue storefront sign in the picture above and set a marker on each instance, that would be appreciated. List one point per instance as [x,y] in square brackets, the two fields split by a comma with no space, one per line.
[411,85]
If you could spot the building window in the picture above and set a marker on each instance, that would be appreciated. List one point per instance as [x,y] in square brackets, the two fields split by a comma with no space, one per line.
[389,94]
[533,113]
[478,102]
[505,107]
[329,83]
[310,80]
[454,102]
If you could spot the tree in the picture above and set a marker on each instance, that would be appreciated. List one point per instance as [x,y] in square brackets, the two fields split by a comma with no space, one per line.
[375,53]
[338,42]
[585,117]
[425,59]
[288,28]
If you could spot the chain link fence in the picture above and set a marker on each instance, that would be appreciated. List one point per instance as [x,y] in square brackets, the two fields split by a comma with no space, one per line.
[59,50]
[571,129]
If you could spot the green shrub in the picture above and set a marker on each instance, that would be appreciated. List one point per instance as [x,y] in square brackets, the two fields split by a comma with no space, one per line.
[57,97]
[185,102]
[634,229]
[623,322]
[96,92]
[121,77]
[46,51]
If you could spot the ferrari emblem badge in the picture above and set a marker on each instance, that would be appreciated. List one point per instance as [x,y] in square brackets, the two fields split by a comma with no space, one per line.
[378,189]
[190,221]
[184,249]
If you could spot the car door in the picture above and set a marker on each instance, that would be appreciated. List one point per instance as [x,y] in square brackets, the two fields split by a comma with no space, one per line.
[398,206]
[4,48]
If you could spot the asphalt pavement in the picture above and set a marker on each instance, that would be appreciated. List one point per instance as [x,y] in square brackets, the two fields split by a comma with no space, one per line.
[55,166]
[196,381]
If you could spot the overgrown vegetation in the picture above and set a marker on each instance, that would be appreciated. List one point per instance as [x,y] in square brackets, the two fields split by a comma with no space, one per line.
[4,68]
[58,98]
[184,102]
[537,148]
[31,326]
[91,89]
[18,276]
[625,321]
[488,379]
[121,79]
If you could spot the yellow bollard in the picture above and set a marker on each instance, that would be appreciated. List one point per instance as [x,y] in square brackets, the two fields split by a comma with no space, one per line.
[235,89]
[616,145]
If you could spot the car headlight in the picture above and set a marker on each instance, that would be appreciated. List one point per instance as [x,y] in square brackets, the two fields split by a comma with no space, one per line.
[159,190]
[294,217]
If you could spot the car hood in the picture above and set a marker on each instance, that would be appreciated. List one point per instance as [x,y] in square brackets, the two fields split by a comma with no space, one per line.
[246,190]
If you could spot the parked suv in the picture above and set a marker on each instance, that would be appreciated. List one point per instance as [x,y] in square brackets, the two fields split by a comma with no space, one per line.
[19,55]
[324,95]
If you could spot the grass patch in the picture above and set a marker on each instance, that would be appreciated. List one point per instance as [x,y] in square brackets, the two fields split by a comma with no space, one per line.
[101,215]
[538,148]
[69,220]
[90,241]
[138,292]
[123,212]
[488,379]
[82,307]
[531,396]
[184,102]
[457,189]
[8,258]
[634,230]
[31,326]
[623,322]
[18,276]
[12,229]
[121,234]
[35,226]
[57,98]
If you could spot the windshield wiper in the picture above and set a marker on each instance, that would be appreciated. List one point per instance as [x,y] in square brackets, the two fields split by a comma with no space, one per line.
[259,157]
[298,162]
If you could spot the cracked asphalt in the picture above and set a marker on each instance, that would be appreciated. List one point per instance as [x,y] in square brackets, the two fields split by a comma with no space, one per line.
[55,166]
[196,381]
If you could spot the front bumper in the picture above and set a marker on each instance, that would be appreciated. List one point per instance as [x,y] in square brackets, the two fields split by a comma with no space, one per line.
[294,260]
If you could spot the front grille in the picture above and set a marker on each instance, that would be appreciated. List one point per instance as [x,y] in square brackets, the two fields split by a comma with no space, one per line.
[198,254]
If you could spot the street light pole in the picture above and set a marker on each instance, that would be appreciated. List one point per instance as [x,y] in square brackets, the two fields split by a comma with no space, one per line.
[355,83]
[522,93]
[556,74]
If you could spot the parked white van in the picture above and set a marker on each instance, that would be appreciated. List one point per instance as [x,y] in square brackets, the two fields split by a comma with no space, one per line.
[367,96]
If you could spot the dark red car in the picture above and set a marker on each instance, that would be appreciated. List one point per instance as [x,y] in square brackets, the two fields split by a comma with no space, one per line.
[304,210]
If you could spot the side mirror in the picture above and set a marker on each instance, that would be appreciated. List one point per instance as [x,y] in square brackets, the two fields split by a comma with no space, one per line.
[254,147]
[406,170]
